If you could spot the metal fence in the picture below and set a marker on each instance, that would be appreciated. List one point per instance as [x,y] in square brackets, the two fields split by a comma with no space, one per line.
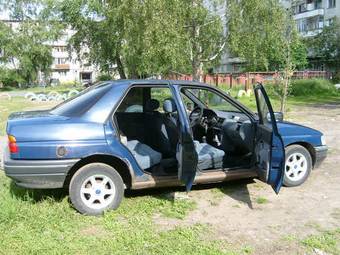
[246,79]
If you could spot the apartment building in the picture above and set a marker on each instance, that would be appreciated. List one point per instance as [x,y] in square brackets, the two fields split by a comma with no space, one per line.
[312,15]
[67,65]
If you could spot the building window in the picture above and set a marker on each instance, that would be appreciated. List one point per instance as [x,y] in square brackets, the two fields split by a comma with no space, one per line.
[62,73]
[61,61]
[329,21]
[331,3]
[60,48]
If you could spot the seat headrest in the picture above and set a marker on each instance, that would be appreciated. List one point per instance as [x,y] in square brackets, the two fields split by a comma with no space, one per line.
[169,105]
[151,105]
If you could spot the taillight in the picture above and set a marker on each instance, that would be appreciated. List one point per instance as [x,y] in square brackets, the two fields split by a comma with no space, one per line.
[12,144]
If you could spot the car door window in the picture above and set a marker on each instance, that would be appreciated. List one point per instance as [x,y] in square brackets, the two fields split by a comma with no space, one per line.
[212,100]
[262,107]
[133,101]
[160,94]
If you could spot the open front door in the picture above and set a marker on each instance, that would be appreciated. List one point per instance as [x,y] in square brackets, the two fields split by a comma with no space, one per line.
[269,149]
[186,154]
[187,160]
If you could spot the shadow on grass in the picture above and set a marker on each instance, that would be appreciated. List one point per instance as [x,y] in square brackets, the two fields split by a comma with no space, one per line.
[236,190]
[37,195]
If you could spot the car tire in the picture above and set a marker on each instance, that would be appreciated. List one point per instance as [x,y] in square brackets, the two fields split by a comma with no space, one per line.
[95,188]
[298,165]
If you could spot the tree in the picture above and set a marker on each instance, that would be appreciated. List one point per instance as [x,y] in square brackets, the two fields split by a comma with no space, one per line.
[139,38]
[204,32]
[149,37]
[264,34]
[326,46]
[25,46]
[257,33]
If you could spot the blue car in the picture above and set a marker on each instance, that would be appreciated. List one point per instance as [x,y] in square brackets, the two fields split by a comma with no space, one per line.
[136,134]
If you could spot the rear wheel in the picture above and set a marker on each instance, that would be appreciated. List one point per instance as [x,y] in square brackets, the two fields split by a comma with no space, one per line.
[95,188]
[298,165]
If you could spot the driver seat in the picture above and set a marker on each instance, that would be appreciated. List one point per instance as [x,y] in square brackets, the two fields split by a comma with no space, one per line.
[208,156]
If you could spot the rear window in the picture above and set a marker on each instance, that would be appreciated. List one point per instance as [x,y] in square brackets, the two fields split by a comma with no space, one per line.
[81,103]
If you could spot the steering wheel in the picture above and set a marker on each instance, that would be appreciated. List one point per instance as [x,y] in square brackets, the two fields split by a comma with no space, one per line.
[196,116]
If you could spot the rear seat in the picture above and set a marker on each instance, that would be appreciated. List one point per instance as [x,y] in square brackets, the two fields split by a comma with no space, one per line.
[145,156]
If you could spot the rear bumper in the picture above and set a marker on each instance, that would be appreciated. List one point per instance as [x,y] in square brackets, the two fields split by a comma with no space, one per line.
[320,155]
[37,174]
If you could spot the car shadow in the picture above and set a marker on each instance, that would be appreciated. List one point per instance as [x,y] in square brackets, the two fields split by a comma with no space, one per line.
[237,190]
[36,195]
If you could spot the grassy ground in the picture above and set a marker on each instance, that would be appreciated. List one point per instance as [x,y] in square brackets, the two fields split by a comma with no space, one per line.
[43,222]
[34,222]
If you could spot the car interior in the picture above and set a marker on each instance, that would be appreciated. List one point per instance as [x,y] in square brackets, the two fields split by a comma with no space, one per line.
[148,122]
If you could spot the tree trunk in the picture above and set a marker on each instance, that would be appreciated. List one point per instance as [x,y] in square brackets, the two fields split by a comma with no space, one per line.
[285,93]
[197,70]
[120,67]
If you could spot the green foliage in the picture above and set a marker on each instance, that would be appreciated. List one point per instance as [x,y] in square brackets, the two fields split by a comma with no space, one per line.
[327,242]
[39,221]
[336,77]
[69,84]
[204,34]
[143,38]
[10,77]
[262,32]
[261,200]
[313,87]
[136,36]
[104,77]
[325,47]
[25,47]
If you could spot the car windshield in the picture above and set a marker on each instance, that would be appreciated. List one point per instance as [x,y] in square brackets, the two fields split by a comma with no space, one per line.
[82,102]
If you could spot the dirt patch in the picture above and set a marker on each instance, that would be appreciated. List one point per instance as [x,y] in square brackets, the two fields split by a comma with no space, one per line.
[97,231]
[250,213]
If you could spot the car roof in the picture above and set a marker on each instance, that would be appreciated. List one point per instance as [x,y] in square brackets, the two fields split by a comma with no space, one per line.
[157,82]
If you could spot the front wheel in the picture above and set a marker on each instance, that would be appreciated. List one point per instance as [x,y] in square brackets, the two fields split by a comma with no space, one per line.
[298,165]
[95,188]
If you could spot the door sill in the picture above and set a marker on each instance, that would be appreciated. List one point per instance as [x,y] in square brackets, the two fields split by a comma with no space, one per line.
[212,176]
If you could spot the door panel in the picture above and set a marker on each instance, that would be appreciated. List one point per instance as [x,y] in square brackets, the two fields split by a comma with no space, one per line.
[269,148]
[186,154]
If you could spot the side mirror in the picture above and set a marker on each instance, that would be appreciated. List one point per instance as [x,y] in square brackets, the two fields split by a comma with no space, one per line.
[278,116]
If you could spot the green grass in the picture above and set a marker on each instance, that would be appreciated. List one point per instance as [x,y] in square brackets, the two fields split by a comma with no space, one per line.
[327,241]
[34,222]
[261,200]
[61,88]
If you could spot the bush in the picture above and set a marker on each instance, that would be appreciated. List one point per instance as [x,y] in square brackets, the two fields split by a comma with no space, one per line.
[104,77]
[9,78]
[336,77]
[312,87]
[69,84]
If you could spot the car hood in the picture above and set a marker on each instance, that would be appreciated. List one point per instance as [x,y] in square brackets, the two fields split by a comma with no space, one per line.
[292,129]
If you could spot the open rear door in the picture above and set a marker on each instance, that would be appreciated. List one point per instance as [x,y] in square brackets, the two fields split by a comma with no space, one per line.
[269,149]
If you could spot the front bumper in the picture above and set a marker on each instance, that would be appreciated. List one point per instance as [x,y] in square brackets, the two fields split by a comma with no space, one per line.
[320,155]
[37,174]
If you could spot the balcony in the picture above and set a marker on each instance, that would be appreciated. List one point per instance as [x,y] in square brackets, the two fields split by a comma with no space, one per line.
[311,33]
[308,14]
[61,67]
